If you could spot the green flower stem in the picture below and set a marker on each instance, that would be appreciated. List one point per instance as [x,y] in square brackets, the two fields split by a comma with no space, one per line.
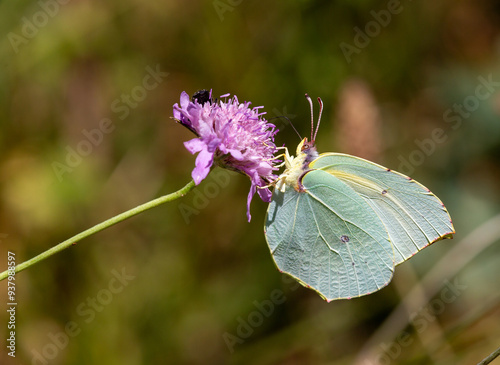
[491,357]
[101,226]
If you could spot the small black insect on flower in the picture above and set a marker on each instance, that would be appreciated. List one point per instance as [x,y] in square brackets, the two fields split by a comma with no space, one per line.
[202,96]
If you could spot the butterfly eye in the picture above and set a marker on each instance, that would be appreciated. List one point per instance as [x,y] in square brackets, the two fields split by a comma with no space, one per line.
[307,146]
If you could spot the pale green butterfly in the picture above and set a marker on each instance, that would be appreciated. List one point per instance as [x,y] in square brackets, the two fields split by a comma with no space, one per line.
[339,224]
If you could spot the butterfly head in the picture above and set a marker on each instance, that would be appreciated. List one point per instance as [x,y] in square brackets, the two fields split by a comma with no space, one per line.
[297,166]
[305,147]
[308,150]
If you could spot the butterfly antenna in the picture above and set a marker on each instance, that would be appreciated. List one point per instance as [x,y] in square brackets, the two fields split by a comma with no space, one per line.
[291,124]
[319,118]
[298,134]
[312,117]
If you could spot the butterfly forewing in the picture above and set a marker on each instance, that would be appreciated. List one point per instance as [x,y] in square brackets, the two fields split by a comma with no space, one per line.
[329,238]
[413,216]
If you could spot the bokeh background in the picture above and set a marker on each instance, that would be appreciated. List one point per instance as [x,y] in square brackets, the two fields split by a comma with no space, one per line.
[183,283]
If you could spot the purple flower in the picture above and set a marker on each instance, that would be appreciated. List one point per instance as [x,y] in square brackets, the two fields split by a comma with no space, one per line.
[233,136]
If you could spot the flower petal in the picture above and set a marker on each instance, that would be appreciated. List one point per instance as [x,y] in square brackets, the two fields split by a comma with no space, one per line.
[253,188]
[236,154]
[184,100]
[213,144]
[203,163]
[265,194]
[195,145]
[177,113]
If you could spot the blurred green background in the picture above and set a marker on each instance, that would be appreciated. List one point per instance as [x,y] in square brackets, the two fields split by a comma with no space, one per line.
[412,85]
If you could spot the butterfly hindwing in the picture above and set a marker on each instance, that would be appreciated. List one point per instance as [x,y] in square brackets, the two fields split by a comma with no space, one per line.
[329,238]
[413,216]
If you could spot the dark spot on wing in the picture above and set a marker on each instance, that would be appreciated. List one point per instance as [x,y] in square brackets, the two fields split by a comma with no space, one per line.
[384,192]
[344,238]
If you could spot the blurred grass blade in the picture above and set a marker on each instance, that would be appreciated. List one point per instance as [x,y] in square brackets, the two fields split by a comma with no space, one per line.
[460,255]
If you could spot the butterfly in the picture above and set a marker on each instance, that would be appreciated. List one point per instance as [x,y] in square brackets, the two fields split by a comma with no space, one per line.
[339,224]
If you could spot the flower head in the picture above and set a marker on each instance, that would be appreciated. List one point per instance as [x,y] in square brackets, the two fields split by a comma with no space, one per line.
[232,135]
